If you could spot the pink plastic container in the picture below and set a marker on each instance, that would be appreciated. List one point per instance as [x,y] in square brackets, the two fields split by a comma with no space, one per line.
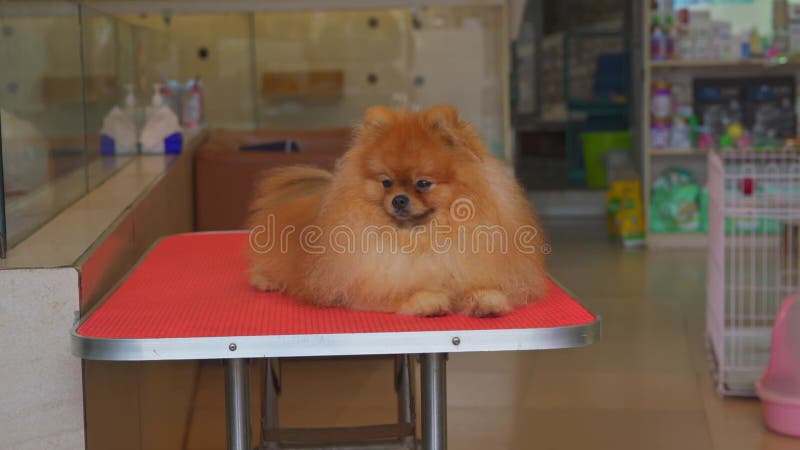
[779,387]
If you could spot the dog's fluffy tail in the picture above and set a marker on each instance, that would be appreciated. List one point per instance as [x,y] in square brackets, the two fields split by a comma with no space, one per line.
[286,184]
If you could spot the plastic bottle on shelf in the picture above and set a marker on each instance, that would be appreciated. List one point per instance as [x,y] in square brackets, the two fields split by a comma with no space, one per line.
[755,42]
[193,103]
[162,131]
[660,132]
[670,38]
[680,134]
[156,102]
[657,41]
[118,132]
[660,114]
[661,101]
[171,95]
[684,48]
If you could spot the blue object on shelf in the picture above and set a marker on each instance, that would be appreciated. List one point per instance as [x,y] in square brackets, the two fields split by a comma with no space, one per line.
[273,146]
[173,143]
[107,145]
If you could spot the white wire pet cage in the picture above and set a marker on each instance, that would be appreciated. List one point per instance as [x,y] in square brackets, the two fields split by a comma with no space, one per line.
[753,230]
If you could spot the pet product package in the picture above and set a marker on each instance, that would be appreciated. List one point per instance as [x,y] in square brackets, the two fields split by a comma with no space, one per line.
[624,212]
[769,109]
[718,103]
[675,202]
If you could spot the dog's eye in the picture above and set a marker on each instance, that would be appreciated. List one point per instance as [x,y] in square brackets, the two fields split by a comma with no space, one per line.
[387,183]
[423,185]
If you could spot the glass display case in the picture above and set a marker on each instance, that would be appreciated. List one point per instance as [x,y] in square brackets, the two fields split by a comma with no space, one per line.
[65,66]
[274,70]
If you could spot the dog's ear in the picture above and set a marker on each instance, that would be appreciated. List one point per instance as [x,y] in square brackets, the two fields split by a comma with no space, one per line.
[441,118]
[444,121]
[377,117]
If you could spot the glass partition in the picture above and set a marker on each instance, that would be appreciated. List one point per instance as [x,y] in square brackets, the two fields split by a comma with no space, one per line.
[119,58]
[269,70]
[65,66]
[41,113]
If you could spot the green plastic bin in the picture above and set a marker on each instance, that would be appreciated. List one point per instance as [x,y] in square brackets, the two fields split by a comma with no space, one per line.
[595,146]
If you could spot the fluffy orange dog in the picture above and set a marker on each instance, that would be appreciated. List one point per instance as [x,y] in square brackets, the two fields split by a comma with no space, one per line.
[418,219]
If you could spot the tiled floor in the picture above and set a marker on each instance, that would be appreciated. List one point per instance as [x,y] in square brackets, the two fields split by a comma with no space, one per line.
[645,386]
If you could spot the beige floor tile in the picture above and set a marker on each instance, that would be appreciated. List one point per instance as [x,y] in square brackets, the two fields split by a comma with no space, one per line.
[486,389]
[579,429]
[623,354]
[646,391]
[490,361]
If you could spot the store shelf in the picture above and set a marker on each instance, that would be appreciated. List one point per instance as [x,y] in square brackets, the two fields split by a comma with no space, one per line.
[598,107]
[677,152]
[747,64]
[665,241]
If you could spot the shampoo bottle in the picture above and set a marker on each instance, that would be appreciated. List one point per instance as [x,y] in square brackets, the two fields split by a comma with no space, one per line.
[161,132]
[118,133]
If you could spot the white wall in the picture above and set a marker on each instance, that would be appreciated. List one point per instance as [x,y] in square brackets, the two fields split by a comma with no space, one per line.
[40,380]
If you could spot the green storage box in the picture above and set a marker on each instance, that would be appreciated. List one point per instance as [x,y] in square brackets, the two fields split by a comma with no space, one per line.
[595,146]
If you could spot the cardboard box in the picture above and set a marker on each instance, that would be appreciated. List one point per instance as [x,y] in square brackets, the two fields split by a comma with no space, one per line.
[699,19]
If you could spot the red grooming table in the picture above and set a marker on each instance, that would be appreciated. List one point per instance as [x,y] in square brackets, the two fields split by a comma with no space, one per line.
[188,298]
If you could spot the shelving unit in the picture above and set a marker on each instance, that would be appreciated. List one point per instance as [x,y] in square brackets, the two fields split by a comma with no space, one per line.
[655,159]
[676,152]
[733,64]
[663,241]
[669,156]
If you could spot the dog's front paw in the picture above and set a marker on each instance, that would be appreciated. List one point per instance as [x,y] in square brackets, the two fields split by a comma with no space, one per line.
[262,283]
[484,303]
[426,304]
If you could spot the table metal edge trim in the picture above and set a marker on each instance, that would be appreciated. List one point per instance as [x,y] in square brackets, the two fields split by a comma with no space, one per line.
[338,344]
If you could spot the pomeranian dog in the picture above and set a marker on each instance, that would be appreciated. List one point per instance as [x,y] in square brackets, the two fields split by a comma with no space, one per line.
[418,218]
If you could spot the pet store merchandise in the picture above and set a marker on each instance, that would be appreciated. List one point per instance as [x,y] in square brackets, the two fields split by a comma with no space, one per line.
[677,203]
[624,215]
[714,83]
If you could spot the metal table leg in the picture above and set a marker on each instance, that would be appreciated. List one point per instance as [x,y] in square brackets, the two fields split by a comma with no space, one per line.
[269,401]
[404,384]
[237,403]
[434,401]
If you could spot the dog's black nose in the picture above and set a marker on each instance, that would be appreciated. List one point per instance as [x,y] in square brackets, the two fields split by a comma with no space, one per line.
[400,201]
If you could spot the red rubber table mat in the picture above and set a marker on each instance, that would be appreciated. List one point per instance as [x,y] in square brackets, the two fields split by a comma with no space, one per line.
[195,285]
